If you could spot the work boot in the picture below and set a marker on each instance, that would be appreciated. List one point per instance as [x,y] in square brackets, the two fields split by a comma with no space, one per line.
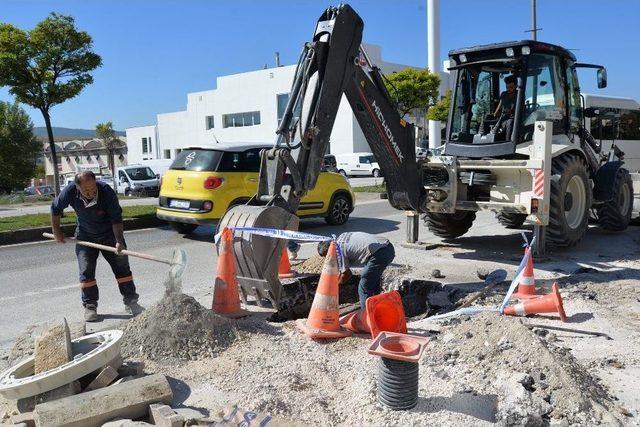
[133,308]
[90,313]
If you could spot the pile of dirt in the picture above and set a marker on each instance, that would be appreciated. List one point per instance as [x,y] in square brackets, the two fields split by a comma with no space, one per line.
[178,327]
[476,371]
[311,265]
[534,380]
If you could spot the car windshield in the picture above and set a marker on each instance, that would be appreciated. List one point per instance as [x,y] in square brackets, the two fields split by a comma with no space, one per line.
[141,173]
[197,160]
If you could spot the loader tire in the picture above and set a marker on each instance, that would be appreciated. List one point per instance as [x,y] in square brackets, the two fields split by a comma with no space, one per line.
[449,226]
[615,214]
[511,220]
[570,202]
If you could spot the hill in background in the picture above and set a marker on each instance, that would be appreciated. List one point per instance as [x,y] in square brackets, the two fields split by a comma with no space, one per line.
[66,134]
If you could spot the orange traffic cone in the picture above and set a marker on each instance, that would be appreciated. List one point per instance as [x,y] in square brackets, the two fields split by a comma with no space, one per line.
[323,320]
[284,269]
[226,299]
[527,285]
[550,303]
[385,313]
[357,322]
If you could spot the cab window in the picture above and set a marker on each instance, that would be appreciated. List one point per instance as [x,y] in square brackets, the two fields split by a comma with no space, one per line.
[545,92]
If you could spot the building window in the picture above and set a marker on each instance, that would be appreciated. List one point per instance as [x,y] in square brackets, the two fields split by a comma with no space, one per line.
[145,146]
[167,154]
[236,120]
[281,101]
[209,122]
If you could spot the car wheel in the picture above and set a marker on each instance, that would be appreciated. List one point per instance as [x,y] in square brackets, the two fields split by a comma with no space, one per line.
[127,192]
[339,210]
[183,228]
[376,173]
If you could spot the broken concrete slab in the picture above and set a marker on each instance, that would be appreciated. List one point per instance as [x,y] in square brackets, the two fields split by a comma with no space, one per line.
[104,378]
[58,393]
[53,348]
[129,399]
[164,416]
[26,418]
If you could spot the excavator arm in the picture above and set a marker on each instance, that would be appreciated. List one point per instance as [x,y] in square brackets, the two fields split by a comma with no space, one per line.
[333,64]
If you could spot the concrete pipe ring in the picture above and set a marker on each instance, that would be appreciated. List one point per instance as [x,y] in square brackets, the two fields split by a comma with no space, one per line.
[92,353]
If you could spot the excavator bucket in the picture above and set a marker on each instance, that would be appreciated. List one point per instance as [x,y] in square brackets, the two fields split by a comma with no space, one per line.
[257,257]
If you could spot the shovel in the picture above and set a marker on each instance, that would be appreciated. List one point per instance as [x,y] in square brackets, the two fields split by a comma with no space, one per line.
[177,263]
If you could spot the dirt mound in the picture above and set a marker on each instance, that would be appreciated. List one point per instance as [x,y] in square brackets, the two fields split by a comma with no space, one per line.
[535,381]
[311,265]
[178,327]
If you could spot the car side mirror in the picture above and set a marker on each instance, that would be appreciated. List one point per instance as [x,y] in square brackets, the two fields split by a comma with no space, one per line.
[602,78]
[157,176]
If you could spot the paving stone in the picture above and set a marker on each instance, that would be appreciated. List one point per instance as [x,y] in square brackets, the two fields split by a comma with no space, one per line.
[104,378]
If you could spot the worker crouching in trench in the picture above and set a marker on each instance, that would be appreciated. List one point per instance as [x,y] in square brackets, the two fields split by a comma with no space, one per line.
[363,250]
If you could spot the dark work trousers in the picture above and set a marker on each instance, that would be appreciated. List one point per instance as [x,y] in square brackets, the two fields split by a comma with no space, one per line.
[87,260]
[372,273]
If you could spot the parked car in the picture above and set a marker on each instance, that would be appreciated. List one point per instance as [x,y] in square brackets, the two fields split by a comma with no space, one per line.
[138,180]
[203,183]
[358,164]
[40,190]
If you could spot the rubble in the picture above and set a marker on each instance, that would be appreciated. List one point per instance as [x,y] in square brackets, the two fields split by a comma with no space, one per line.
[178,327]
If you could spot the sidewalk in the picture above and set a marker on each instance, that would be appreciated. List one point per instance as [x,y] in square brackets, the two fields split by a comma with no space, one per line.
[26,209]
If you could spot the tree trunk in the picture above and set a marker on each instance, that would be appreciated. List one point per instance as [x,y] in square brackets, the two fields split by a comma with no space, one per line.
[54,155]
[112,166]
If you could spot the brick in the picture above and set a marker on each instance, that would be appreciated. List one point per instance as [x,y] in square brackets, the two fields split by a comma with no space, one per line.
[131,369]
[164,416]
[104,378]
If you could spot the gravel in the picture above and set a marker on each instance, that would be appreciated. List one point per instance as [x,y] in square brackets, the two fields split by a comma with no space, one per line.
[178,327]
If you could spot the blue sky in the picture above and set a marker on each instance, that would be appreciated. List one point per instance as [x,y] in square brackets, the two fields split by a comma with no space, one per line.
[155,52]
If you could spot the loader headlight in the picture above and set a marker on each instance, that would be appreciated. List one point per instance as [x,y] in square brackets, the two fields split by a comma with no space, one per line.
[509,51]
[526,50]
[462,58]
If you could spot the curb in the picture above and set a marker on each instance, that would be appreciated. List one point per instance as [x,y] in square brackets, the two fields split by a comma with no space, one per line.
[35,234]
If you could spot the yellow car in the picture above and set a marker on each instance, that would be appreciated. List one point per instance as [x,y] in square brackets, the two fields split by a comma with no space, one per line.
[203,183]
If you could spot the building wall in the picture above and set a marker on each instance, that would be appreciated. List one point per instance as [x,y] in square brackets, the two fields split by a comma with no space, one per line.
[135,143]
[242,93]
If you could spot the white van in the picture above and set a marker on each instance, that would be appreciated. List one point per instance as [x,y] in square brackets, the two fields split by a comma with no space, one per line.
[357,164]
[138,180]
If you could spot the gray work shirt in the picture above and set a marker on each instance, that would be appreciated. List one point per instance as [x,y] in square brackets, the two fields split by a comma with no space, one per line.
[358,247]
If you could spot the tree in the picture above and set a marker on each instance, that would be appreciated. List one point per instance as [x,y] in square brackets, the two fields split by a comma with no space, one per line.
[413,88]
[46,66]
[105,132]
[440,111]
[18,147]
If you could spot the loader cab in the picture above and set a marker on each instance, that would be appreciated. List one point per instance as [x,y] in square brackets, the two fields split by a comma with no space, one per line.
[546,87]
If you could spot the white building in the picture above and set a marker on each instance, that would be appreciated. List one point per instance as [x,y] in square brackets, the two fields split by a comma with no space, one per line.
[244,107]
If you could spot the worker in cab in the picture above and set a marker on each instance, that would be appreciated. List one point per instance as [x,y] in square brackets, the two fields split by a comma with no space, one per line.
[508,98]
[99,220]
[363,250]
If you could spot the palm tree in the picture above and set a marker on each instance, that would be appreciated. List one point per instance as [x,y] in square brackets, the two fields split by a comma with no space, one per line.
[105,132]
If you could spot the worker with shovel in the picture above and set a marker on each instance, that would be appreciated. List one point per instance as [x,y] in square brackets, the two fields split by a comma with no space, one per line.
[99,220]
[372,253]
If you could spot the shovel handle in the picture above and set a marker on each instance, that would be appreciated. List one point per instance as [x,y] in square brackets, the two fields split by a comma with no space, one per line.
[112,249]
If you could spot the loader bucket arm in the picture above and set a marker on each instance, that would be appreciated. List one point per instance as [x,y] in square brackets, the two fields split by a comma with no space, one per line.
[333,64]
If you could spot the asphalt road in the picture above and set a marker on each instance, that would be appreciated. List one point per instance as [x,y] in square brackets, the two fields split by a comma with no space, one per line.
[39,281]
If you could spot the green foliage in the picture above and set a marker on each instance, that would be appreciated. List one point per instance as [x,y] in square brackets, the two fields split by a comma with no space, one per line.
[21,222]
[18,147]
[440,111]
[39,172]
[105,132]
[47,65]
[413,88]
[381,188]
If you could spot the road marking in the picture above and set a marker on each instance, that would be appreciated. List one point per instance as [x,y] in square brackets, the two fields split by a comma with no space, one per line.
[44,291]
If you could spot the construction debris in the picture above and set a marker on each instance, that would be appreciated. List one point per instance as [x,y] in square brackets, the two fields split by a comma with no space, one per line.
[104,378]
[178,327]
[130,399]
[163,416]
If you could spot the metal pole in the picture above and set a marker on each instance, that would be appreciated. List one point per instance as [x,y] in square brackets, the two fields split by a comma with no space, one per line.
[433,61]
[534,26]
